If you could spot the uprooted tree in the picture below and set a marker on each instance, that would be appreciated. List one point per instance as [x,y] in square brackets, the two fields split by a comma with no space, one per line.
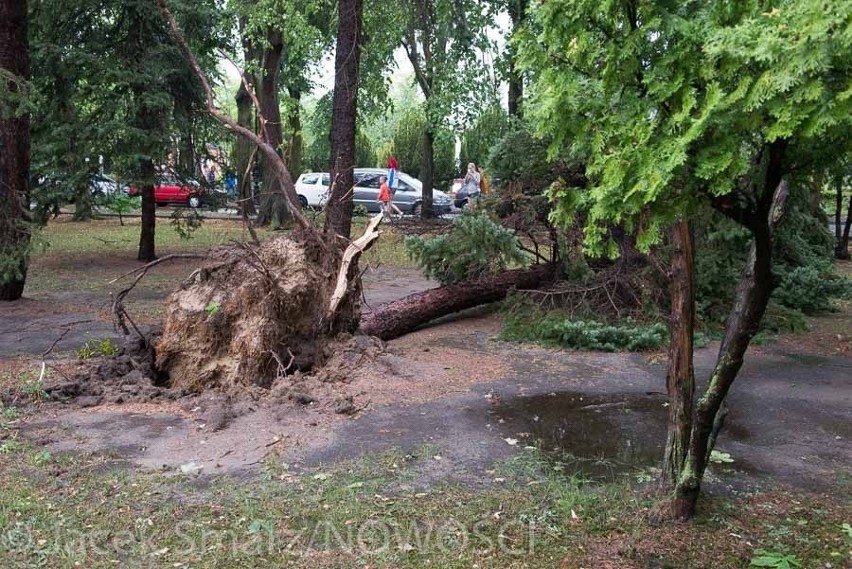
[259,310]
[698,103]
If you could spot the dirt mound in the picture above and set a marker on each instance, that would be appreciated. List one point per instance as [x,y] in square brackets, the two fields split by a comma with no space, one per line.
[128,377]
[252,314]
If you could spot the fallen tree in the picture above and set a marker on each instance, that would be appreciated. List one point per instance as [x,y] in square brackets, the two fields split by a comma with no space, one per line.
[407,314]
[257,311]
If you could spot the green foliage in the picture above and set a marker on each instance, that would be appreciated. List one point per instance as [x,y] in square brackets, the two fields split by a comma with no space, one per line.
[802,263]
[765,558]
[478,140]
[185,222]
[212,308]
[122,204]
[810,289]
[559,330]
[522,158]
[111,82]
[671,103]
[94,348]
[475,246]
[408,148]
[318,139]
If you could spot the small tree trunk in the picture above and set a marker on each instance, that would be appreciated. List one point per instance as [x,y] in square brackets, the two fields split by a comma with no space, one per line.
[427,170]
[273,205]
[14,154]
[147,252]
[294,134]
[406,314]
[749,306]
[680,382]
[517,13]
[841,236]
[844,240]
[344,114]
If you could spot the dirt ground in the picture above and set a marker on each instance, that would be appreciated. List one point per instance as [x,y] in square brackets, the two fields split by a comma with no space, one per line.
[452,388]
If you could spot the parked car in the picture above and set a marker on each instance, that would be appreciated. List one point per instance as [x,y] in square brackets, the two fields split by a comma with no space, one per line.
[312,189]
[463,196]
[172,190]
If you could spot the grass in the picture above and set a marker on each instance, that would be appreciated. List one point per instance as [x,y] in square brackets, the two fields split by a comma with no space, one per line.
[77,261]
[69,510]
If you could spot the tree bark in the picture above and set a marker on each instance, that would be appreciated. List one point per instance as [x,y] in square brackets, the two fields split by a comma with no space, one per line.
[406,314]
[517,13]
[243,153]
[273,205]
[749,306]
[294,138]
[841,237]
[680,382]
[427,171]
[14,155]
[147,251]
[344,115]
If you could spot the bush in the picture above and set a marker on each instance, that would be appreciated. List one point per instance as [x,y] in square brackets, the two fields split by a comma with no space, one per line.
[810,289]
[475,246]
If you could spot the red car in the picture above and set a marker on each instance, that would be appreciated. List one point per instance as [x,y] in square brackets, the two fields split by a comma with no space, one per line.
[170,190]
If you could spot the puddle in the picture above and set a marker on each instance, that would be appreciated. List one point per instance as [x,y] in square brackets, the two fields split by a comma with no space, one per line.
[598,437]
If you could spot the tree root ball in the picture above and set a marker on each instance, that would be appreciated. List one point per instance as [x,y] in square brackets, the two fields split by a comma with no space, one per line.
[254,313]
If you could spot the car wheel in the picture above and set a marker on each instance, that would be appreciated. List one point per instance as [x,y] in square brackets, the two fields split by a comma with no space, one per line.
[161,204]
[464,204]
[194,201]
[417,210]
[303,201]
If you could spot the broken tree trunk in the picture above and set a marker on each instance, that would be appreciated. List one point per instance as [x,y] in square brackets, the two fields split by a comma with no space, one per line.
[406,314]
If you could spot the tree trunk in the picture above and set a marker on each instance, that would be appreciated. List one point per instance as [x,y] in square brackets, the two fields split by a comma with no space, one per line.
[680,382]
[517,13]
[406,314]
[273,205]
[14,155]
[294,138]
[841,236]
[344,114]
[147,252]
[243,153]
[749,306]
[844,240]
[427,171]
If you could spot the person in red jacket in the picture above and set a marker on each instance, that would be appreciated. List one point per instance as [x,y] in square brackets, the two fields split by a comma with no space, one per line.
[393,168]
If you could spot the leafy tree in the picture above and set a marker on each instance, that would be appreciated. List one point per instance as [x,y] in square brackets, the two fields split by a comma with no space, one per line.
[121,85]
[440,38]
[673,105]
[478,140]
[14,149]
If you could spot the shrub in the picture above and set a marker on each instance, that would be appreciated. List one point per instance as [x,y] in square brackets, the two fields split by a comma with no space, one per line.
[810,289]
[475,246]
